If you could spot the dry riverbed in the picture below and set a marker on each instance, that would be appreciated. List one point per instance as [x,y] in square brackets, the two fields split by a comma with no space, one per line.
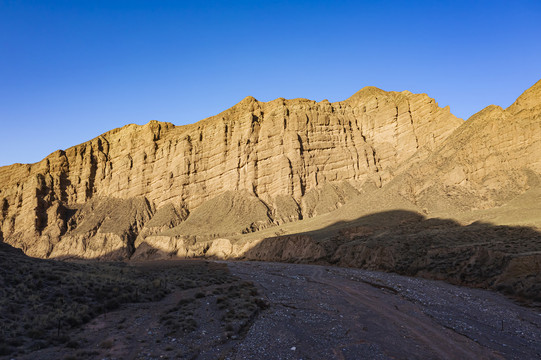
[322,312]
[310,312]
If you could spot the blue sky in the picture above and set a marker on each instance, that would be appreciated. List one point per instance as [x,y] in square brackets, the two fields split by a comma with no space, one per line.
[71,70]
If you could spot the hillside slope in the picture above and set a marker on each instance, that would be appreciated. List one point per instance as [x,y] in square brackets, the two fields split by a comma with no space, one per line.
[488,161]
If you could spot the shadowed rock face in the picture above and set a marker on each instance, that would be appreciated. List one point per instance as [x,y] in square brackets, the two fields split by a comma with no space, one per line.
[277,157]
[503,258]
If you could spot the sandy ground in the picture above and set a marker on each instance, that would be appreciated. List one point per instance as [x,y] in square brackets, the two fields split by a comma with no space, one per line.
[319,312]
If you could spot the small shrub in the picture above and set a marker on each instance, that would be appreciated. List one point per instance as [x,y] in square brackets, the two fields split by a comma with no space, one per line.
[72,344]
[106,344]
[5,349]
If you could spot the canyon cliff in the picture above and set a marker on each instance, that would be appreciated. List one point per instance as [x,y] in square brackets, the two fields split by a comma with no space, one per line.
[252,166]
[291,180]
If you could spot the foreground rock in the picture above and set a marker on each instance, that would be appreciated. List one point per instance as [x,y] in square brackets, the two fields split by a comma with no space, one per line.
[502,258]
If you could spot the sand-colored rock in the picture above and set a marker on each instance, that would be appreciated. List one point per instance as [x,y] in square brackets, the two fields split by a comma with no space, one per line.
[383,180]
[190,190]
[283,154]
[104,228]
[489,160]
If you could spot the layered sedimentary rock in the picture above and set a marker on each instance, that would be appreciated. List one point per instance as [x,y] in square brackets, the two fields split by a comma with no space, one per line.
[284,159]
[490,159]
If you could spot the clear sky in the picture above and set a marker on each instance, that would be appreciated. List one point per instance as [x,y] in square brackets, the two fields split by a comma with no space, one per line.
[71,70]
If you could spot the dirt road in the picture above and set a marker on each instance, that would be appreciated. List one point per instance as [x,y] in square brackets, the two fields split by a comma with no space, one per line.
[336,313]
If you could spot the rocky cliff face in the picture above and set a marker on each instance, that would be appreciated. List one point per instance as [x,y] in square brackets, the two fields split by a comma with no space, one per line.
[282,160]
[490,159]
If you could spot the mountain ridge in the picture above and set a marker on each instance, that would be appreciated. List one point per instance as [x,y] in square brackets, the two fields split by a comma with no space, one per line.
[291,159]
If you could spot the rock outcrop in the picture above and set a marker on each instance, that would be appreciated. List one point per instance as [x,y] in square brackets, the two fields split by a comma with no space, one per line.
[249,167]
[490,159]
[383,180]
[104,228]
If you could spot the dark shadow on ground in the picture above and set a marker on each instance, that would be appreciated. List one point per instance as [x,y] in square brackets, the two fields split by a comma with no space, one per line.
[43,302]
[502,258]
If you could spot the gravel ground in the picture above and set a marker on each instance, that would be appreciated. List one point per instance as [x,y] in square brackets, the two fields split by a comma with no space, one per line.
[322,312]
[311,312]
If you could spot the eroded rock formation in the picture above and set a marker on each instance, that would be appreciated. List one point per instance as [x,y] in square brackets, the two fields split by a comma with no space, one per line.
[486,162]
[278,158]
[184,190]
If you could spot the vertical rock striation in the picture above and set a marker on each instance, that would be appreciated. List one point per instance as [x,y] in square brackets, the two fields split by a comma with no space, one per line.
[289,159]
[490,159]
